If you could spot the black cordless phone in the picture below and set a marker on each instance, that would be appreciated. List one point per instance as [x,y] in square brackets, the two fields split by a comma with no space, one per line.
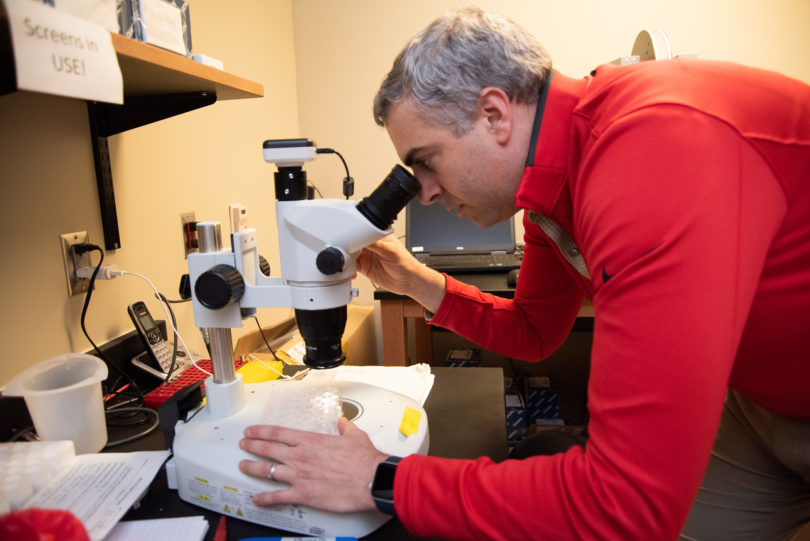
[160,351]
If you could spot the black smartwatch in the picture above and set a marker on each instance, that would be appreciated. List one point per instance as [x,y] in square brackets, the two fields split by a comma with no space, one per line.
[382,488]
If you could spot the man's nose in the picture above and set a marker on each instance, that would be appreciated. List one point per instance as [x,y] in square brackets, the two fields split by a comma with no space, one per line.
[429,193]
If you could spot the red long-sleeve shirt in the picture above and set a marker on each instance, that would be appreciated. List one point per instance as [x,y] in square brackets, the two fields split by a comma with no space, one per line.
[685,186]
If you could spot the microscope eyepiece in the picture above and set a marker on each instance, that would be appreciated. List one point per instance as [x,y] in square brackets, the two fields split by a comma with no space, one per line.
[390,197]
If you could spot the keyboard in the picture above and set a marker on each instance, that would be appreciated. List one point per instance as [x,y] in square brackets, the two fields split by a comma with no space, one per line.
[471,262]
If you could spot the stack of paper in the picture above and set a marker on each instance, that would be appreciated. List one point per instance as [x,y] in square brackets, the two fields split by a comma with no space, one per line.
[100,488]
[161,529]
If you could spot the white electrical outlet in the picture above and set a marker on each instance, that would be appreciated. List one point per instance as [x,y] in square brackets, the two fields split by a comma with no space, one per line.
[72,261]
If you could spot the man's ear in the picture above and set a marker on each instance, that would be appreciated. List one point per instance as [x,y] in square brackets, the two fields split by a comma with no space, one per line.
[495,109]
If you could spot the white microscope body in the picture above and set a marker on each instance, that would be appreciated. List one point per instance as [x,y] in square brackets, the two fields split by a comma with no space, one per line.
[319,242]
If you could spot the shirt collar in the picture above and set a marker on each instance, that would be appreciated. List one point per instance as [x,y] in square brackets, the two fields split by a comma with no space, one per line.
[545,177]
[538,118]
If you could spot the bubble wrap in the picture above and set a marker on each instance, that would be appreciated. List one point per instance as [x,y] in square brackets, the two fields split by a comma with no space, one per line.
[316,409]
[26,467]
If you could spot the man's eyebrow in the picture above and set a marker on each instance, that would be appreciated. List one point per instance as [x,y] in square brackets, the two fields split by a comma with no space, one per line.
[409,158]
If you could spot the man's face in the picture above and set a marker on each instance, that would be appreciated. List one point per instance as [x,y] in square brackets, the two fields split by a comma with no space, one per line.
[464,174]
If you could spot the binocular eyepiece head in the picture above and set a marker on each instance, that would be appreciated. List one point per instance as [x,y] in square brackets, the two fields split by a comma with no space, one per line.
[390,197]
[322,330]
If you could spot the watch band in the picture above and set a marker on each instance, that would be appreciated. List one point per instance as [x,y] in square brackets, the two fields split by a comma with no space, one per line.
[382,488]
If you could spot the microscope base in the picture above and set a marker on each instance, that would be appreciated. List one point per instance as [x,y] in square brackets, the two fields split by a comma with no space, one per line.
[206,458]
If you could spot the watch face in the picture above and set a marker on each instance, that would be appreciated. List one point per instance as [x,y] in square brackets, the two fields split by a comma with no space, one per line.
[383,485]
[382,489]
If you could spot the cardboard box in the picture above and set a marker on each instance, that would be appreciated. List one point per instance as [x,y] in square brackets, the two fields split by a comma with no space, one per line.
[463,357]
[359,338]
[543,401]
[515,417]
[254,342]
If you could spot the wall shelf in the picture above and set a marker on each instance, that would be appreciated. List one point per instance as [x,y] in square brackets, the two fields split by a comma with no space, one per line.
[149,70]
[158,84]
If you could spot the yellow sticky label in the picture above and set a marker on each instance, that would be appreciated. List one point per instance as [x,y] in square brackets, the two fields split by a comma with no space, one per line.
[410,421]
[258,368]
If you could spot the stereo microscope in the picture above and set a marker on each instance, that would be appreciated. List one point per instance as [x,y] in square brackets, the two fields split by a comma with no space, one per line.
[319,241]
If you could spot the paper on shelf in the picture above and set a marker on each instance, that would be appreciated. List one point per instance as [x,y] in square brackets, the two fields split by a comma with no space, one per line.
[58,53]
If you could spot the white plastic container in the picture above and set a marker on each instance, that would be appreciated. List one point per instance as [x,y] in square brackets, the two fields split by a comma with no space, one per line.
[63,396]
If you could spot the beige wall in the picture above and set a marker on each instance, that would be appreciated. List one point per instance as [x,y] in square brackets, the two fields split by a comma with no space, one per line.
[320,62]
[200,161]
[344,49]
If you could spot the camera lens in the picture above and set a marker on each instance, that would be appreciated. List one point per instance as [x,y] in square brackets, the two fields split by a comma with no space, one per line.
[390,197]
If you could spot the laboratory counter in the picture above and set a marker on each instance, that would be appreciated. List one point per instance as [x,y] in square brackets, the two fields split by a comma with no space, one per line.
[466,419]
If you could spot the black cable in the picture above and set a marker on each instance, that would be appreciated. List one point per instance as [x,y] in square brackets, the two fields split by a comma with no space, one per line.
[265,340]
[28,434]
[147,430]
[317,190]
[348,182]
[81,249]
[512,366]
[173,364]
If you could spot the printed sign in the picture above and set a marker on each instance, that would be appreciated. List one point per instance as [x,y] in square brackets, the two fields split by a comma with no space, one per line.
[57,53]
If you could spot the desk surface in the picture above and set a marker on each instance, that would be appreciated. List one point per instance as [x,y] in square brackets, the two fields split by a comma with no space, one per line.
[490,282]
[396,310]
[466,419]
[495,283]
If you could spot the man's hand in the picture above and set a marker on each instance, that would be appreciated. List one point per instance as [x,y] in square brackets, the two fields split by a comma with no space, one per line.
[323,471]
[388,264]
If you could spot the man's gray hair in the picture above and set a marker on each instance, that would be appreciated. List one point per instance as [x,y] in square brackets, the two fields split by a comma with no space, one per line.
[445,67]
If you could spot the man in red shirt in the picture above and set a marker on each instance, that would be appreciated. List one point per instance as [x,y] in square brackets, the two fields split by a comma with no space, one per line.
[676,196]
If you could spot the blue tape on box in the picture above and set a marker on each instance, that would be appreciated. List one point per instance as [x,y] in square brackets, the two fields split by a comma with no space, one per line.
[515,418]
[544,403]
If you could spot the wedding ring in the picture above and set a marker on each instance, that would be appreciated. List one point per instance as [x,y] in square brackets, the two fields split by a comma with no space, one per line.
[272,474]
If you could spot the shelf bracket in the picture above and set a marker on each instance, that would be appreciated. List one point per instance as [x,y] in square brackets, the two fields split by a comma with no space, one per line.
[109,119]
[8,74]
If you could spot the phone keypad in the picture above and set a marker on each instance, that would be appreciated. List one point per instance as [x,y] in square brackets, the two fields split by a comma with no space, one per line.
[163,352]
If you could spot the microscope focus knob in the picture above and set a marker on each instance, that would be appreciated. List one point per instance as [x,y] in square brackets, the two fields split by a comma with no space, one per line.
[330,260]
[219,286]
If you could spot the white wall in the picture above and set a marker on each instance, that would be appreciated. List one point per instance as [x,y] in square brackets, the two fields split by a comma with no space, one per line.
[344,49]
[200,161]
[320,62]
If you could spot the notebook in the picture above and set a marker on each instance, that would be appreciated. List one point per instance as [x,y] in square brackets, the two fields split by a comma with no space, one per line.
[446,242]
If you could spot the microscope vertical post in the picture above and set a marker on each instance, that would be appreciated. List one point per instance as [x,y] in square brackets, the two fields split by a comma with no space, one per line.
[220,340]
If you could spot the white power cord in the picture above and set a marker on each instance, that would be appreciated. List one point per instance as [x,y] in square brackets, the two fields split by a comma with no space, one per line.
[116,272]
[108,272]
